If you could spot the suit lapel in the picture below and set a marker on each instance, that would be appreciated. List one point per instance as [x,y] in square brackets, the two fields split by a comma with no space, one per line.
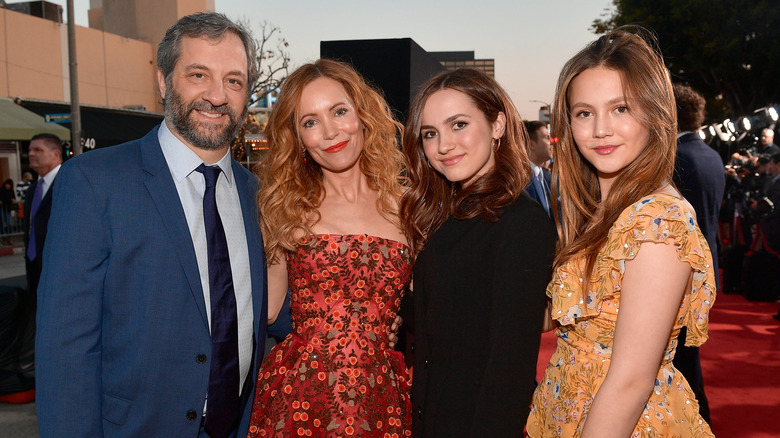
[161,188]
[531,188]
[246,185]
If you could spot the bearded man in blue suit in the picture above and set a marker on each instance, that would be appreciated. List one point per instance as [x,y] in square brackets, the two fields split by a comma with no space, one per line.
[152,302]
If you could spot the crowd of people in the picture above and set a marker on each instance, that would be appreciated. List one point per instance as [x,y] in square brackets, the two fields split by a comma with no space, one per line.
[11,214]
[751,220]
[153,313]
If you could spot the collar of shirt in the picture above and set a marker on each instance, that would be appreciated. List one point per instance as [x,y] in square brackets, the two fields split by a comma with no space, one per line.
[48,179]
[683,133]
[182,160]
[536,170]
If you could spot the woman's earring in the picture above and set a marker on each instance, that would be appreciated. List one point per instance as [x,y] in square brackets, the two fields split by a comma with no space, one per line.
[303,152]
[495,144]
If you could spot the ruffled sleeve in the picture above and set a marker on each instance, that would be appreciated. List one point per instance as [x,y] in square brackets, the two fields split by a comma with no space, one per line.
[657,219]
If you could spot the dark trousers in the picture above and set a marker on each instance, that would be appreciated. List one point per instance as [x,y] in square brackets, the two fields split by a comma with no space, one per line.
[687,361]
[33,269]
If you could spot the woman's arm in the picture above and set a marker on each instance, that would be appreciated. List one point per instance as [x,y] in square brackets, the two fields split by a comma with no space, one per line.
[653,286]
[277,288]
[549,323]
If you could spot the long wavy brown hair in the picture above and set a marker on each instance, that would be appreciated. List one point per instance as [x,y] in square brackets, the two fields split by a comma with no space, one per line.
[431,197]
[585,217]
[291,186]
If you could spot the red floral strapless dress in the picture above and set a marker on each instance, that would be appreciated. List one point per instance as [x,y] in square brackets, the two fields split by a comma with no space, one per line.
[334,374]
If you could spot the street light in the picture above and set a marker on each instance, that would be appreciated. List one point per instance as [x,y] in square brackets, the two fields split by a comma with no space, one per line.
[542,115]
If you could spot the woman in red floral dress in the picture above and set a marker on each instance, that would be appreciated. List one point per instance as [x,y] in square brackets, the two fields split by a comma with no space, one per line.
[328,210]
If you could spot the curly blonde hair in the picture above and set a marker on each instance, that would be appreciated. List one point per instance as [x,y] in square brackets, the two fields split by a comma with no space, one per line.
[291,188]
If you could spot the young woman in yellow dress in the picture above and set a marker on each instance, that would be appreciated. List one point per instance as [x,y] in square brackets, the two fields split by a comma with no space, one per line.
[632,266]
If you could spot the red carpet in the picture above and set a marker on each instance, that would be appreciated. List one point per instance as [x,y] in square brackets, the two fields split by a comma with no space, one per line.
[741,365]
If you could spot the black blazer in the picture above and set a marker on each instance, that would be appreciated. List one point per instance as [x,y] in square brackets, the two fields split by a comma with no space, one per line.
[770,225]
[479,295]
[701,179]
[41,217]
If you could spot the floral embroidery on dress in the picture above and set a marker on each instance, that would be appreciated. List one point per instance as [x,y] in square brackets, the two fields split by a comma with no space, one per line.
[334,375]
[588,315]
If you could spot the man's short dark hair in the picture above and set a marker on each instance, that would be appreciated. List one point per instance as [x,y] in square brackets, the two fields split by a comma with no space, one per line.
[209,25]
[690,108]
[50,140]
[775,158]
[533,127]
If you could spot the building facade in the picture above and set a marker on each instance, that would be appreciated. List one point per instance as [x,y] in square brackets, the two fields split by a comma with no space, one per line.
[115,58]
[456,60]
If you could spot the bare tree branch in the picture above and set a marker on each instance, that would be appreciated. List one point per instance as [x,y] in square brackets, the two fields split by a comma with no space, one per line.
[273,59]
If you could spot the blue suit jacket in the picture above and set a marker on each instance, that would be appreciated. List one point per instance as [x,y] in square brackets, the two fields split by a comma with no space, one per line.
[535,194]
[701,179]
[121,314]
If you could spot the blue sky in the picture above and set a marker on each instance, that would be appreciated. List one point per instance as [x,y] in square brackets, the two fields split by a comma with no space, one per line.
[530,40]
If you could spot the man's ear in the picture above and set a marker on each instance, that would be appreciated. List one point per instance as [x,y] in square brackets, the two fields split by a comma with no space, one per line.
[161,83]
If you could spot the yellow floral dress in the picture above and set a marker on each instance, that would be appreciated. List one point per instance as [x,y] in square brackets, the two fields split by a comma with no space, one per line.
[587,317]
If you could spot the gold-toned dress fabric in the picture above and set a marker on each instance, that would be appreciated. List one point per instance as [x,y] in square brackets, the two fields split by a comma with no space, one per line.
[584,348]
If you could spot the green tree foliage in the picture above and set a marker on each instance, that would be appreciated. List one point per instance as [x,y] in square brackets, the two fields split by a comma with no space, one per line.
[729,50]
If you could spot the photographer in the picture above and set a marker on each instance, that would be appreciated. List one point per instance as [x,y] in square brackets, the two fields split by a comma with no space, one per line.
[765,147]
[770,222]
[744,187]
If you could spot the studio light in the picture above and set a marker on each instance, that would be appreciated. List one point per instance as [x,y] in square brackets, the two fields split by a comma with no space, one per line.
[772,112]
[729,125]
[719,130]
[746,124]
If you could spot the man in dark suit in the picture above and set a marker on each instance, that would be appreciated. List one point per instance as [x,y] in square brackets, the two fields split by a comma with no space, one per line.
[700,176]
[539,152]
[45,159]
[770,223]
[766,143]
[152,313]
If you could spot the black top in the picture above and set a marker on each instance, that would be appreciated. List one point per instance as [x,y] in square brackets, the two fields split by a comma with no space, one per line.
[6,198]
[767,151]
[479,294]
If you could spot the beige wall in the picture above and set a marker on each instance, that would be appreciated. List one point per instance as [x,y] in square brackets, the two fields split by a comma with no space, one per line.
[33,57]
[113,71]
[3,59]
[91,67]
[131,73]
[147,20]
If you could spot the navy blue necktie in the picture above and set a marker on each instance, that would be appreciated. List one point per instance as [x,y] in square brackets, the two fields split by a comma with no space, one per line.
[223,393]
[541,188]
[32,252]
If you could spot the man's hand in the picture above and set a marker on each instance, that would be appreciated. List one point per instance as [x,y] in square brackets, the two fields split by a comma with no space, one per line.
[393,337]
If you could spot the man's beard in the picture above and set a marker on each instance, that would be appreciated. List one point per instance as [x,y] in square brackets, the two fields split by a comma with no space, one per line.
[203,136]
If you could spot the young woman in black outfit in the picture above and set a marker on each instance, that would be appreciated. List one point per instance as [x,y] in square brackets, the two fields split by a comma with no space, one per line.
[484,253]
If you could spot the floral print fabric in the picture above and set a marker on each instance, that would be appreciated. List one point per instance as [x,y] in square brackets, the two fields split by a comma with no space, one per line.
[588,316]
[334,374]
